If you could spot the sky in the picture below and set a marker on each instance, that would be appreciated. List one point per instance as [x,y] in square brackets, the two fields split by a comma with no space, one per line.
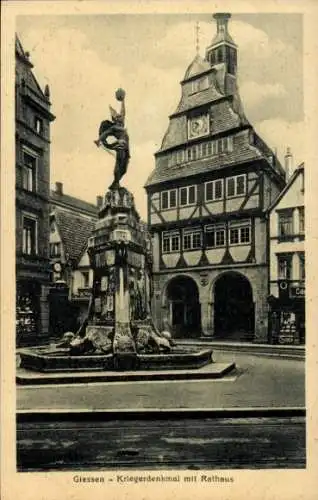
[85,58]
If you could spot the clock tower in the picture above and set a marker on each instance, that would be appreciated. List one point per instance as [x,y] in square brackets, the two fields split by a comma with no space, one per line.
[207,199]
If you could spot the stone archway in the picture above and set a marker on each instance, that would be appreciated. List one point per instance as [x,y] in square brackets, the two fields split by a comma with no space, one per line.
[184,307]
[234,312]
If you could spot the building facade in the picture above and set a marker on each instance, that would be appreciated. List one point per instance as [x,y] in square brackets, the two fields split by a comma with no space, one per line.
[287,263]
[71,223]
[213,182]
[32,119]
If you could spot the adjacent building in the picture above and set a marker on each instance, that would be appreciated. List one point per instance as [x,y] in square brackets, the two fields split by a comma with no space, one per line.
[32,140]
[287,262]
[71,223]
[213,182]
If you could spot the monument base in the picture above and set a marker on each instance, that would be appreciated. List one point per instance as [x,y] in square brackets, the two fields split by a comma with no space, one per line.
[50,360]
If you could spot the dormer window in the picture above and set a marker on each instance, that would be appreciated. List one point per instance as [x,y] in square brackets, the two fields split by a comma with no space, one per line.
[199,84]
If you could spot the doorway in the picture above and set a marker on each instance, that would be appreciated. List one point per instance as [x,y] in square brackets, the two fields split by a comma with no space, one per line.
[184,307]
[234,315]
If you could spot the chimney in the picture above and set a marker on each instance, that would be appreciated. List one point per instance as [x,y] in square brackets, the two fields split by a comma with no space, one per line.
[59,188]
[99,201]
[288,163]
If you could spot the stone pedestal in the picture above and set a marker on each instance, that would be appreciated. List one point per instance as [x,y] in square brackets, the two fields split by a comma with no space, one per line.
[120,255]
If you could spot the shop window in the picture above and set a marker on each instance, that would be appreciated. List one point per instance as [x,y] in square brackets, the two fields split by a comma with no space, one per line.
[29,235]
[302,270]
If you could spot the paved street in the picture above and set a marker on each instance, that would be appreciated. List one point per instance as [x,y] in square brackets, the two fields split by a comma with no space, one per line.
[221,443]
[258,382]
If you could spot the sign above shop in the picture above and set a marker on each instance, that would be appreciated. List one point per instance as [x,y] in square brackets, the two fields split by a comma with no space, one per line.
[297,291]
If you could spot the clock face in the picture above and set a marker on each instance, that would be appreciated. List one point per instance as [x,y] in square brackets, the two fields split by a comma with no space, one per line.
[57,267]
[198,126]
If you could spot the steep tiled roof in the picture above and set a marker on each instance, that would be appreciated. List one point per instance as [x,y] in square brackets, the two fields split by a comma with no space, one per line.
[198,99]
[74,231]
[29,78]
[298,170]
[73,203]
[239,155]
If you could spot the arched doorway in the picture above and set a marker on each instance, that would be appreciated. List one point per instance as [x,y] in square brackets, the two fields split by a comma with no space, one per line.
[184,307]
[233,308]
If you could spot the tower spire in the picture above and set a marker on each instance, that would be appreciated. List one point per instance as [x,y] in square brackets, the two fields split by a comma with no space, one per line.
[223,49]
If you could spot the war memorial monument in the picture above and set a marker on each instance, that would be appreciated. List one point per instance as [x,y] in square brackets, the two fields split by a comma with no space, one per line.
[119,334]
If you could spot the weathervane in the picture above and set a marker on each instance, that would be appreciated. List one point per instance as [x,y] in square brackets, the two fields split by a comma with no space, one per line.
[197,29]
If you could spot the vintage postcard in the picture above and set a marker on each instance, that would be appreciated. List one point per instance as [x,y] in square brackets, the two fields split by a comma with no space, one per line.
[158,267]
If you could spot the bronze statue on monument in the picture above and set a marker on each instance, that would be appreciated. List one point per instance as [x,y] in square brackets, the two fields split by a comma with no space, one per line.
[116,129]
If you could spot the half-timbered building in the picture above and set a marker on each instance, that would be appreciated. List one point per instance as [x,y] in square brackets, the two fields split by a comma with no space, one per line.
[213,181]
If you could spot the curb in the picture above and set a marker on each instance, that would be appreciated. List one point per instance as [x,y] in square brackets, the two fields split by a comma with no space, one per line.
[67,378]
[25,416]
[283,352]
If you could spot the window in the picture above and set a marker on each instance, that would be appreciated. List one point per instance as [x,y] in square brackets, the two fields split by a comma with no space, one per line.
[180,156]
[236,186]
[85,281]
[302,270]
[229,144]
[240,232]
[214,190]
[222,145]
[284,267]
[187,195]
[55,249]
[194,86]
[240,184]
[38,125]
[176,158]
[285,224]
[168,199]
[29,236]
[170,242]
[301,220]
[231,60]
[231,186]
[215,235]
[29,171]
[192,239]
[199,84]
[204,150]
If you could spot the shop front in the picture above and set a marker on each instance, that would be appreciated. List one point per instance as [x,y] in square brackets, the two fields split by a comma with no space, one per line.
[287,314]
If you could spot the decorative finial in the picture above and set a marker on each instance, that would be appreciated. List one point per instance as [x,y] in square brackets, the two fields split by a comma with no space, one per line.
[197,29]
[47,91]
